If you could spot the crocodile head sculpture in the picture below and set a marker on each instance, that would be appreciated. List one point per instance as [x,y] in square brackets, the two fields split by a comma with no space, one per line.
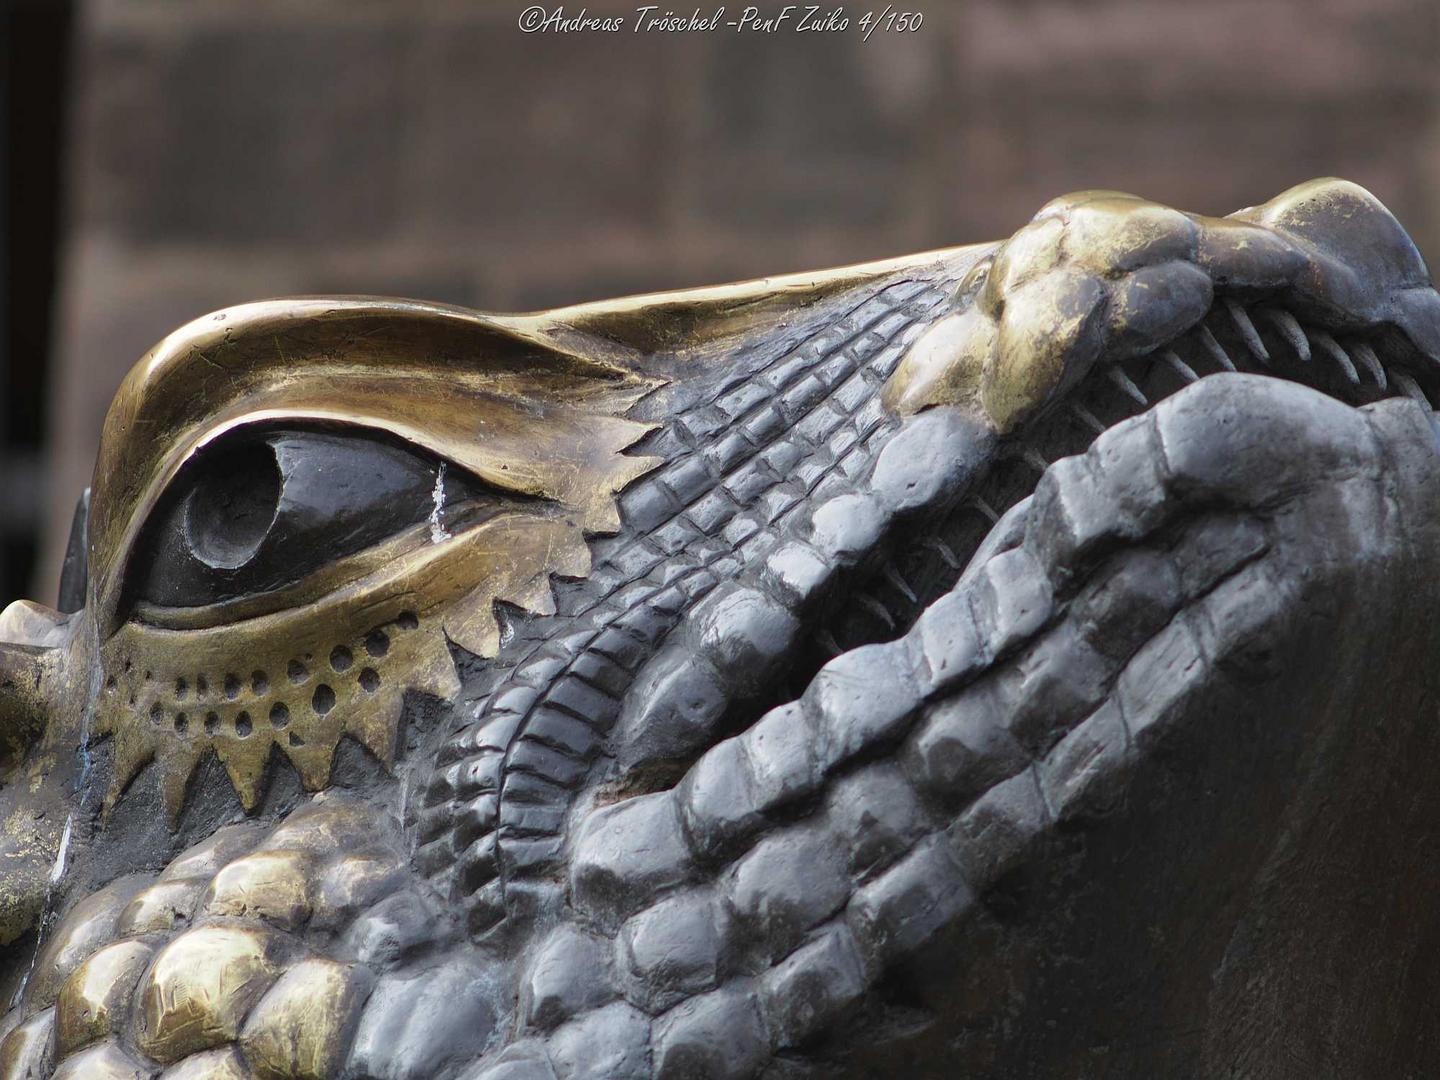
[1014,660]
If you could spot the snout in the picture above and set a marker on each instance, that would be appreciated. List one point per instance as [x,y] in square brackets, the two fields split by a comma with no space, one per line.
[35,647]
[31,640]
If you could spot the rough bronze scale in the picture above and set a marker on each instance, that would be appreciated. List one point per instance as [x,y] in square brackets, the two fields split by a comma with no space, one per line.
[1012,660]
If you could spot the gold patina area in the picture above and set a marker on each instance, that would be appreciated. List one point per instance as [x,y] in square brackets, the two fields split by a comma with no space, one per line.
[215,966]
[1104,274]
[534,406]
[293,671]
[298,679]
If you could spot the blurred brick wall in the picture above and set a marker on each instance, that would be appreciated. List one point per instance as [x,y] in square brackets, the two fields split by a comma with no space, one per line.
[244,148]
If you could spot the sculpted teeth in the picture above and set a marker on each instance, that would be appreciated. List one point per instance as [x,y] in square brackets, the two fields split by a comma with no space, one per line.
[1086,417]
[1184,370]
[1241,318]
[984,507]
[945,551]
[1366,355]
[1215,349]
[1339,355]
[902,586]
[1289,328]
[1114,387]
[1411,388]
[876,608]
[1036,460]
[1120,379]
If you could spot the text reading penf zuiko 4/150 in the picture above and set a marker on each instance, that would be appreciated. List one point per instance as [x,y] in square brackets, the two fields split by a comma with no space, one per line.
[654,19]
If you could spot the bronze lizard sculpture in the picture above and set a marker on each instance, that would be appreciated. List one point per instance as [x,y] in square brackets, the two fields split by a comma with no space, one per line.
[1009,661]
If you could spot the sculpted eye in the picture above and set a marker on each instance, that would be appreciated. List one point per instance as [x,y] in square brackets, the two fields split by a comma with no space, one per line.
[258,511]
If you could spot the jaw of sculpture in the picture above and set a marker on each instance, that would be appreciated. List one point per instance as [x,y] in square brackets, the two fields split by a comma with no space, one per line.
[678,685]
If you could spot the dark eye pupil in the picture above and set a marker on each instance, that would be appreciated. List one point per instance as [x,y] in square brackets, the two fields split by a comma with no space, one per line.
[263,509]
[233,506]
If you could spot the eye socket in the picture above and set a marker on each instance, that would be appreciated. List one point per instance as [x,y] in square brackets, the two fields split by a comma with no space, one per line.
[260,510]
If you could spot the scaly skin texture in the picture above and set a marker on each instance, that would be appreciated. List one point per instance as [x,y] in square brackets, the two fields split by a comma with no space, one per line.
[1008,662]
